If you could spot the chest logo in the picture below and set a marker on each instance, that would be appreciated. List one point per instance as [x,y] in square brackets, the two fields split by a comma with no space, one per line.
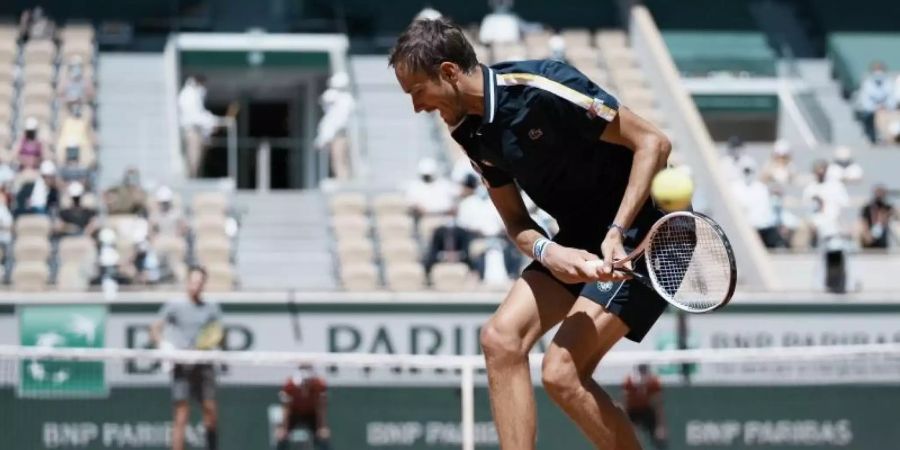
[535,134]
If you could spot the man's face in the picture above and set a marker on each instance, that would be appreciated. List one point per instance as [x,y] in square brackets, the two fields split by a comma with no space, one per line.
[429,93]
[195,283]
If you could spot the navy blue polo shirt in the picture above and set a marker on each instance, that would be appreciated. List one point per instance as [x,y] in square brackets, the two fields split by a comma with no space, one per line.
[541,129]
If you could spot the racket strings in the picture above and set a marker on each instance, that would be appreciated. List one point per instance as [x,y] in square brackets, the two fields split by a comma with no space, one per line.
[689,261]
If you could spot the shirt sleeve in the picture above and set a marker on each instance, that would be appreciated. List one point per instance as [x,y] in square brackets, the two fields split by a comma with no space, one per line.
[493,176]
[216,312]
[574,102]
[166,312]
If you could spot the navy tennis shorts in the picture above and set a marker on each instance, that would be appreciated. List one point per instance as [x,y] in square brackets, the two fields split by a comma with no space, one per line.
[637,305]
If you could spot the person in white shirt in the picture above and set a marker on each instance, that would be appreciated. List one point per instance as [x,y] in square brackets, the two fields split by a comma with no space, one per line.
[734,162]
[874,95]
[197,123]
[753,196]
[331,135]
[779,169]
[831,192]
[431,194]
[843,167]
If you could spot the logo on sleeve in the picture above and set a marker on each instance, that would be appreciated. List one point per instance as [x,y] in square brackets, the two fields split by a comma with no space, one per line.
[599,109]
[535,134]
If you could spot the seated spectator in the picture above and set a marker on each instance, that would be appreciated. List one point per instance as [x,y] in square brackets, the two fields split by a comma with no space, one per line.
[876,218]
[148,264]
[842,167]
[75,142]
[34,25]
[40,196]
[753,196]
[76,220]
[431,194]
[557,48]
[478,216]
[166,218]
[128,197]
[735,160]
[831,192]
[785,221]
[874,95]
[75,88]
[779,169]
[449,243]
[30,151]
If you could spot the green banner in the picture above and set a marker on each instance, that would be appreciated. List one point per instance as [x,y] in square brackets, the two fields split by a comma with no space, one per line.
[79,326]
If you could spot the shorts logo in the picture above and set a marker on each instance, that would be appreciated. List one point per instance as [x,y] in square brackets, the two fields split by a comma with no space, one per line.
[535,134]
[604,286]
[598,109]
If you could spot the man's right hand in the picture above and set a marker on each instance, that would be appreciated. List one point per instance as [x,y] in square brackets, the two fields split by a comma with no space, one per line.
[570,265]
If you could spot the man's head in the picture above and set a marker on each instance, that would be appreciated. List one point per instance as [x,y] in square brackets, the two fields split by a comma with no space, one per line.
[880,193]
[643,369]
[196,279]
[820,168]
[430,59]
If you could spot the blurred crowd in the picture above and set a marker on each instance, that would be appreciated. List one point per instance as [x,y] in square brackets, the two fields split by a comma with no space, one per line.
[878,105]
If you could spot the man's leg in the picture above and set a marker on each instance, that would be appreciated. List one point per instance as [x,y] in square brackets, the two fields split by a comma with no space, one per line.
[535,304]
[585,336]
[179,421]
[210,423]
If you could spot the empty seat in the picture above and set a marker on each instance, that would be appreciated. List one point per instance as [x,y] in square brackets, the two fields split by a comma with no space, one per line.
[212,225]
[40,52]
[221,278]
[576,37]
[72,277]
[213,250]
[359,249]
[392,203]
[209,203]
[351,225]
[607,39]
[38,74]
[405,276]
[77,32]
[76,250]
[394,225]
[399,251]
[30,276]
[348,203]
[37,225]
[359,276]
[450,276]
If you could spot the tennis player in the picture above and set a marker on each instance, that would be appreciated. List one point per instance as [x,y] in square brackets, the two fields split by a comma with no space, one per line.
[304,405]
[544,127]
[184,321]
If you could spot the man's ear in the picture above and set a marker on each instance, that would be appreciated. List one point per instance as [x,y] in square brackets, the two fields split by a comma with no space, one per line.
[450,71]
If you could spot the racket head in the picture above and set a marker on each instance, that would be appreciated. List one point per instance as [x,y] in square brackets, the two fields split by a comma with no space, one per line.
[210,336]
[690,262]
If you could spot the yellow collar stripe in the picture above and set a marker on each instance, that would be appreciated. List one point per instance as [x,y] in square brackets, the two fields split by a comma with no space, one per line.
[594,106]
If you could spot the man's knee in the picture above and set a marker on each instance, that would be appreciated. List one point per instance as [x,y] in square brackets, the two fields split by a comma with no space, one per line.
[559,375]
[500,343]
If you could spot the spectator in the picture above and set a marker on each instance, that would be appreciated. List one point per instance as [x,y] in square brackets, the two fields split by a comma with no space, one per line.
[876,218]
[557,48]
[874,95]
[428,13]
[76,220]
[331,135]
[304,404]
[40,196]
[477,215]
[34,25]
[31,149]
[843,168]
[831,192]
[6,228]
[74,88]
[197,122]
[785,221]
[643,404]
[753,196]
[148,263]
[127,198]
[76,140]
[779,169]
[450,243]
[431,194]
[734,162]
[166,219]
[501,25]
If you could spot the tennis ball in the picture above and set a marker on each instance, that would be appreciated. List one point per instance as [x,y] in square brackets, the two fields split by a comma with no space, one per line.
[672,189]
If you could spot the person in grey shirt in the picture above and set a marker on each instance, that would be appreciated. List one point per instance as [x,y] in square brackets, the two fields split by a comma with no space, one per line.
[183,321]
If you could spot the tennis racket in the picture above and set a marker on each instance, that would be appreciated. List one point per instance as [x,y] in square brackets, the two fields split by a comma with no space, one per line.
[689,262]
[210,336]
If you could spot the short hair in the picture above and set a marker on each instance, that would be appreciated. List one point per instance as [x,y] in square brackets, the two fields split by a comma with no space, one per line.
[200,269]
[427,43]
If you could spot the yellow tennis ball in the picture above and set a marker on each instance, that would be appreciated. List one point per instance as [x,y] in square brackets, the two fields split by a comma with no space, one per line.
[672,189]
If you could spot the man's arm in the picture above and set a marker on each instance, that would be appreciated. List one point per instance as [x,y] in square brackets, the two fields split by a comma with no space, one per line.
[156,329]
[651,152]
[567,264]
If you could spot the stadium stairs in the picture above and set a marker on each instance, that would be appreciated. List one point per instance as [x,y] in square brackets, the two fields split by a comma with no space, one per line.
[396,138]
[134,131]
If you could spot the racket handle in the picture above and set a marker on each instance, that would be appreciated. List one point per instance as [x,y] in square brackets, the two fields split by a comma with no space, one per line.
[596,264]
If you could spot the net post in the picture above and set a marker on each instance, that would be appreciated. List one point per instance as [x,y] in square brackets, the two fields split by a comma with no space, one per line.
[468,405]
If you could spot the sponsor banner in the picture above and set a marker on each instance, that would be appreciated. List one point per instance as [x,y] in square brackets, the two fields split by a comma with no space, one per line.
[396,418]
[446,329]
[62,326]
